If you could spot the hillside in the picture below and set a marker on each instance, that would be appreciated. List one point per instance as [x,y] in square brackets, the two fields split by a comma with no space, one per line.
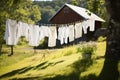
[54,64]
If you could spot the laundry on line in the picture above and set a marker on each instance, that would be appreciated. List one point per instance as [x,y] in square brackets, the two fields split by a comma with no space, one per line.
[35,33]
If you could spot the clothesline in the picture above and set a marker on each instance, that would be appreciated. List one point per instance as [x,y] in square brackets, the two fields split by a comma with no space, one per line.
[14,30]
[58,25]
[35,33]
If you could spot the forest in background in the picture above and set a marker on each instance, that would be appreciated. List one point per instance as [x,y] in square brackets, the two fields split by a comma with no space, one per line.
[49,8]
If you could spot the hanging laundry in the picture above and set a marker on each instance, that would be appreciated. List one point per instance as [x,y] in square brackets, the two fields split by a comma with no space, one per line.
[19,29]
[11,32]
[60,34]
[63,34]
[52,36]
[23,30]
[66,34]
[92,25]
[85,25]
[43,32]
[78,30]
[33,35]
[71,33]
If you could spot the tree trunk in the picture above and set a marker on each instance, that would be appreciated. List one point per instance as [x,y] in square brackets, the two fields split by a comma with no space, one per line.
[113,28]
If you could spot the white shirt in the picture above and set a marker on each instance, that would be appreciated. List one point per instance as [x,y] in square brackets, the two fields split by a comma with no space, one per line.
[11,32]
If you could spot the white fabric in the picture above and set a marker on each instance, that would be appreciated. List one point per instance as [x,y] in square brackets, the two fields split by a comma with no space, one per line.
[11,32]
[19,29]
[43,32]
[52,36]
[71,33]
[92,25]
[66,33]
[63,34]
[88,23]
[60,35]
[78,30]
[84,26]
[23,30]
[33,35]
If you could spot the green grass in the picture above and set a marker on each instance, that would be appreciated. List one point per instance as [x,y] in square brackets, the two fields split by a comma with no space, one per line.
[54,64]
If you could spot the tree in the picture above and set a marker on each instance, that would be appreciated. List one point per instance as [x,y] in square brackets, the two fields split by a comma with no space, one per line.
[20,10]
[47,12]
[113,38]
[112,55]
[75,2]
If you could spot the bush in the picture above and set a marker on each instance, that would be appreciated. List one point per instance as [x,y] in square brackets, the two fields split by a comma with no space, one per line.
[87,49]
[101,39]
[22,41]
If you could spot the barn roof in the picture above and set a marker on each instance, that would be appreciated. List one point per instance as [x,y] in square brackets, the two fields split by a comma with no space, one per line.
[82,12]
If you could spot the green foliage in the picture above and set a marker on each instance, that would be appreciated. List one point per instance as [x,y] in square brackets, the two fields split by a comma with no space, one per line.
[47,12]
[22,41]
[101,39]
[20,10]
[75,2]
[87,49]
[97,7]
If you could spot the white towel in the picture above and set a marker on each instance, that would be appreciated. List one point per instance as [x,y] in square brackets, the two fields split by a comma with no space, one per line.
[52,36]
[23,30]
[66,33]
[11,32]
[92,25]
[60,35]
[71,33]
[43,32]
[78,30]
[33,35]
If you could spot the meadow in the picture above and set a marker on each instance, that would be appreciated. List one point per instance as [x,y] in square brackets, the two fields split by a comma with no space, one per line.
[53,64]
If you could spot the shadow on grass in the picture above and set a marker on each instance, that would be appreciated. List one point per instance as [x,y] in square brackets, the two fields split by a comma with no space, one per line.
[82,65]
[110,70]
[78,67]
[42,65]
[28,78]
[18,71]
[45,64]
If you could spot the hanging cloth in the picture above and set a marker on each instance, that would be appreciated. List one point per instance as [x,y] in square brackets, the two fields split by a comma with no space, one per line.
[23,30]
[61,34]
[11,32]
[92,25]
[33,35]
[71,33]
[78,30]
[52,36]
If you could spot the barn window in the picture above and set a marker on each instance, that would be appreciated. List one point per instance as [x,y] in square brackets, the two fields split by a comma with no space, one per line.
[66,10]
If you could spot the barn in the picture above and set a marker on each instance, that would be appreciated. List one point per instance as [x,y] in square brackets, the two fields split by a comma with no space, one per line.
[70,14]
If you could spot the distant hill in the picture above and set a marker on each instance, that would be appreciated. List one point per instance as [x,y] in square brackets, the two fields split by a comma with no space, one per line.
[49,8]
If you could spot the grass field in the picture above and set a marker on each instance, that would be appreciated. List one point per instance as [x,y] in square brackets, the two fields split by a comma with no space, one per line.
[55,64]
